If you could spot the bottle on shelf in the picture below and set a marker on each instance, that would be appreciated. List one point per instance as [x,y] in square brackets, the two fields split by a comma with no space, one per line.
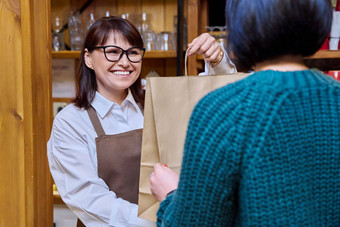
[57,33]
[90,20]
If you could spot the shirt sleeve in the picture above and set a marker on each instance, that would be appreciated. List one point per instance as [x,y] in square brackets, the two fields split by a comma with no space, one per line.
[77,181]
[206,192]
[226,66]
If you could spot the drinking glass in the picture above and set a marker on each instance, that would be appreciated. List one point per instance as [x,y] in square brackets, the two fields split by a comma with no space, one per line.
[146,19]
[57,34]
[76,32]
[149,39]
[90,20]
[165,41]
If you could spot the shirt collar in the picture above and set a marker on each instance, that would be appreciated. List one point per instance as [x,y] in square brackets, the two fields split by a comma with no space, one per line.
[103,105]
[131,99]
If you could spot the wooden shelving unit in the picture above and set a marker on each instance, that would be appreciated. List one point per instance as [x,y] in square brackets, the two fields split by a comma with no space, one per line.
[66,54]
[322,54]
[323,60]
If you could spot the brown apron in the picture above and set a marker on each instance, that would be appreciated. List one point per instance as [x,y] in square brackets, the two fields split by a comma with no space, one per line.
[118,160]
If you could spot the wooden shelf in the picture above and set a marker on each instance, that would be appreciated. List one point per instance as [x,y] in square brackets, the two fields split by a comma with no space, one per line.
[324,60]
[65,54]
[148,54]
[160,54]
[56,198]
[325,54]
[322,54]
[67,100]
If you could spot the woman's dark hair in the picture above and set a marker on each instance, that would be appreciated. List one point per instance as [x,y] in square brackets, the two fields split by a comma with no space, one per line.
[259,30]
[98,33]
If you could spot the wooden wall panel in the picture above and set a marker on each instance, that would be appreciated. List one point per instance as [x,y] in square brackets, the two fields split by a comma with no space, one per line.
[12,175]
[39,107]
[25,191]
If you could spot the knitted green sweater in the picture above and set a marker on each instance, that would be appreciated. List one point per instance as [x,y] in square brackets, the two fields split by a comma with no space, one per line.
[264,151]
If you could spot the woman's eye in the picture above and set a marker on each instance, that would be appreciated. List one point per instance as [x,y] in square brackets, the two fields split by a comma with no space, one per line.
[133,52]
[113,51]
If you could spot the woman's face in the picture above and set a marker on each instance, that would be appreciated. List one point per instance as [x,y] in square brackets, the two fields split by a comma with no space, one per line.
[113,78]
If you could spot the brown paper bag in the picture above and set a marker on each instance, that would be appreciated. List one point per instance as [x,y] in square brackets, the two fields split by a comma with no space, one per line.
[169,102]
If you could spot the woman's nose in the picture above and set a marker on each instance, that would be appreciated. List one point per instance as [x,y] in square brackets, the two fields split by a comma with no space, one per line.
[124,61]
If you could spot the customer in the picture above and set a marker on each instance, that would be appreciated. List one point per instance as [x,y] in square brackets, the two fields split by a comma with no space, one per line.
[95,143]
[264,151]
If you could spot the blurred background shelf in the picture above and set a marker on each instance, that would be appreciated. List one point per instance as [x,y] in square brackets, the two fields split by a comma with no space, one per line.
[56,196]
[322,54]
[324,60]
[57,199]
[325,54]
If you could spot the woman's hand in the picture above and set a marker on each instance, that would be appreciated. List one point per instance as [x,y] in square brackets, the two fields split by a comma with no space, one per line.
[207,46]
[162,181]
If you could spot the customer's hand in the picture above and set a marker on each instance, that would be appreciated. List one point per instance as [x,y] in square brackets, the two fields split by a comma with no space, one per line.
[162,181]
[207,46]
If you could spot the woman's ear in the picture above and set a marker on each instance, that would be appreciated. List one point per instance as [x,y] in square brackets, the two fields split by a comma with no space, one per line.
[87,59]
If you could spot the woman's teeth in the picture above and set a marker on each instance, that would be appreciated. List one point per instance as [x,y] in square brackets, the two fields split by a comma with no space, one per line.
[121,72]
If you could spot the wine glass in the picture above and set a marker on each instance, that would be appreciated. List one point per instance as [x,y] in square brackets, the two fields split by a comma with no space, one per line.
[57,33]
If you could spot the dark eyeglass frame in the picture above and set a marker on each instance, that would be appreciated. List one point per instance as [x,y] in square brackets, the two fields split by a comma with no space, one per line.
[123,51]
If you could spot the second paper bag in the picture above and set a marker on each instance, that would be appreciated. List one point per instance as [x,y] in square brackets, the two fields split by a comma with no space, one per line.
[169,102]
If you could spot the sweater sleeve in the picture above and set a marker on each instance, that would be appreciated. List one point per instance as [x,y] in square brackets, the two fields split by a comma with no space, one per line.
[210,169]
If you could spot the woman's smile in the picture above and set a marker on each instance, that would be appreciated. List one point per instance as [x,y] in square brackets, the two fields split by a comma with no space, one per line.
[121,73]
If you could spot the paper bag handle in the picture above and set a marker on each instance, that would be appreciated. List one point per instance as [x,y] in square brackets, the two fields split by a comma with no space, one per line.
[186,64]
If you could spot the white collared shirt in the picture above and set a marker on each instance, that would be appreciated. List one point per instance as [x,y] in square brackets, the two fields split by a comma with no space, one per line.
[72,159]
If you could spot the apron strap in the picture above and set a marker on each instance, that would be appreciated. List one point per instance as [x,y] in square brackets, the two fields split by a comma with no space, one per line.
[95,121]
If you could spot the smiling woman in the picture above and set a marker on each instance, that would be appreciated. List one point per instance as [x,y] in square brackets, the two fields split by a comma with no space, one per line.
[115,72]
[102,129]
[107,37]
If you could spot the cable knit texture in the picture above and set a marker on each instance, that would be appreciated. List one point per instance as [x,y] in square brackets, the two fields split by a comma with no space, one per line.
[264,151]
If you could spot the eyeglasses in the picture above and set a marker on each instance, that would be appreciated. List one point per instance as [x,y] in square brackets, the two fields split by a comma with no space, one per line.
[114,53]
